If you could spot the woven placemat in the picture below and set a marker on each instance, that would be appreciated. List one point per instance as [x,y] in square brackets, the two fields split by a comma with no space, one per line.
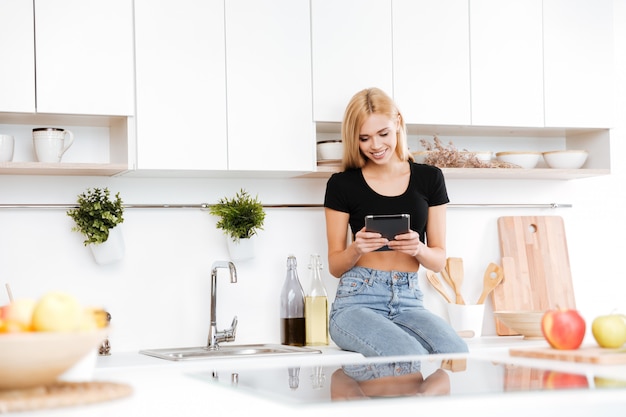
[61,394]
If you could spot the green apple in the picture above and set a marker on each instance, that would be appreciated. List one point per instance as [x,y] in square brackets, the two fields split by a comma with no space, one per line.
[610,330]
[57,312]
[602,382]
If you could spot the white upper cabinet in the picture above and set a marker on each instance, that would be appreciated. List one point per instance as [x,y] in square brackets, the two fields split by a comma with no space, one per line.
[431,59]
[506,63]
[224,85]
[84,56]
[181,85]
[578,50]
[17,49]
[268,73]
[352,50]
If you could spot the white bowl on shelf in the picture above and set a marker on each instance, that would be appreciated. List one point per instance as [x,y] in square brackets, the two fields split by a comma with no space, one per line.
[329,150]
[525,159]
[566,159]
[484,156]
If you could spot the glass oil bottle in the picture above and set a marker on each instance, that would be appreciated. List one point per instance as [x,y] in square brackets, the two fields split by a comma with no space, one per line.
[292,331]
[316,306]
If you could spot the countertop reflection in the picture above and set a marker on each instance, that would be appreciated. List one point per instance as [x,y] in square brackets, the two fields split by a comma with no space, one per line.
[380,378]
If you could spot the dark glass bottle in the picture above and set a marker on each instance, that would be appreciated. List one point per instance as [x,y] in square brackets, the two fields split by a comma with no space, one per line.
[292,330]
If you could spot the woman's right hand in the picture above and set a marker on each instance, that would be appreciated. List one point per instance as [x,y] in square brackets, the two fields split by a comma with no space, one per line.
[365,242]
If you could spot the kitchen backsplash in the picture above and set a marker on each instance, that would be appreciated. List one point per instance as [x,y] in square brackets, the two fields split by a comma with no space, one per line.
[159,294]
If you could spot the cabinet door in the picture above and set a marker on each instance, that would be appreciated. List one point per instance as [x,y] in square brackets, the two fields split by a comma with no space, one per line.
[181,84]
[506,63]
[17,70]
[268,57]
[352,50]
[578,44]
[431,61]
[84,56]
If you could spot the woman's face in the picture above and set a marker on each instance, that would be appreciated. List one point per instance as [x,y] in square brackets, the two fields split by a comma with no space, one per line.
[378,138]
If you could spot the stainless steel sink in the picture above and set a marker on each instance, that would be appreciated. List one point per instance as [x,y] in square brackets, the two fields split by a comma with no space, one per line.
[213,349]
[224,351]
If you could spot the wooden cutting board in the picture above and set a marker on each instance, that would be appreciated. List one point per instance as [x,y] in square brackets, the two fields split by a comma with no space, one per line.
[595,355]
[535,260]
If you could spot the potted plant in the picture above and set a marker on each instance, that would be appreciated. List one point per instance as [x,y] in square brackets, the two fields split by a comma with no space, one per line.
[97,217]
[241,217]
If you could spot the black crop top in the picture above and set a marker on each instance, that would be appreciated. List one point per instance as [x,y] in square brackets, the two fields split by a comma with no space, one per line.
[348,192]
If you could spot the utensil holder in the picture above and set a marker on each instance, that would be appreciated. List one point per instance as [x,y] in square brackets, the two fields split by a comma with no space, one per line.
[467,318]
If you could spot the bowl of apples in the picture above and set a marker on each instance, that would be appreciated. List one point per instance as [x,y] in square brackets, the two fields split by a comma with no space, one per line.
[41,339]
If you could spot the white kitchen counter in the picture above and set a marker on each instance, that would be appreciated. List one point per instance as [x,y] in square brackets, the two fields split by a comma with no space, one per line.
[168,388]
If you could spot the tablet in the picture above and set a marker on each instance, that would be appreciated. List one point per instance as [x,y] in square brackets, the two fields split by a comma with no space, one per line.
[388,225]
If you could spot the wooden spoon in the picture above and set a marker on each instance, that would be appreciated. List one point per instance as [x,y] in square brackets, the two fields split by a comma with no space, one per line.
[492,278]
[455,270]
[434,281]
[446,277]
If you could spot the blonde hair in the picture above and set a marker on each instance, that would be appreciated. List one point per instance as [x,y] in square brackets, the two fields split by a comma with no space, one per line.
[361,106]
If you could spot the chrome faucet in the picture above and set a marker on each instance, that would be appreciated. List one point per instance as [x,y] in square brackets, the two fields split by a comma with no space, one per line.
[227,335]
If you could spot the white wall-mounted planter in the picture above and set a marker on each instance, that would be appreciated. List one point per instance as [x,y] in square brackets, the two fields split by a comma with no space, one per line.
[241,250]
[112,250]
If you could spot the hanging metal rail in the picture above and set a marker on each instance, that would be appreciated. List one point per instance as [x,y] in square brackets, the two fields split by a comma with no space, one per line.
[271,206]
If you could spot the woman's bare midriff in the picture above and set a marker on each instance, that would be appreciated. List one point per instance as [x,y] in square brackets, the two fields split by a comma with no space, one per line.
[389,261]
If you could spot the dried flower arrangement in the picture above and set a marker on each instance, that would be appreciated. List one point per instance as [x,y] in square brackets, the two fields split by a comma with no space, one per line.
[450,157]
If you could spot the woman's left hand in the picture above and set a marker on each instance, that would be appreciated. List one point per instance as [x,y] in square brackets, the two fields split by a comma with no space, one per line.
[408,243]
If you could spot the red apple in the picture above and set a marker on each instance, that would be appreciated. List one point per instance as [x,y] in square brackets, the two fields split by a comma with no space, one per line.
[560,380]
[563,328]
[16,316]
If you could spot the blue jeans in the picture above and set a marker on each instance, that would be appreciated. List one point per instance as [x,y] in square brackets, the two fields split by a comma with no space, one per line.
[381,313]
[369,371]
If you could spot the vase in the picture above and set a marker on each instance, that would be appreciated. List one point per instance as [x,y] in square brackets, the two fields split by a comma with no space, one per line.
[241,250]
[111,250]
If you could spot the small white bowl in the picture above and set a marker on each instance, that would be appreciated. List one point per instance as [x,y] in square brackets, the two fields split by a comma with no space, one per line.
[568,159]
[329,150]
[484,156]
[524,159]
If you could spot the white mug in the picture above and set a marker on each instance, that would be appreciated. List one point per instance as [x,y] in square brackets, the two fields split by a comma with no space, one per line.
[51,143]
[7,143]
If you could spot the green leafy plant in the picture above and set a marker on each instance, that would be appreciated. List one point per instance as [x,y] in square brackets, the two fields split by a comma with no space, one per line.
[240,217]
[96,214]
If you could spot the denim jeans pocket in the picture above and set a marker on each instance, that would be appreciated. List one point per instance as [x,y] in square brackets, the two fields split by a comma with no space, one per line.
[350,285]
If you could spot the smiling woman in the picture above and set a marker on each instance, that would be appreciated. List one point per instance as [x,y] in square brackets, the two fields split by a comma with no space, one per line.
[380,177]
